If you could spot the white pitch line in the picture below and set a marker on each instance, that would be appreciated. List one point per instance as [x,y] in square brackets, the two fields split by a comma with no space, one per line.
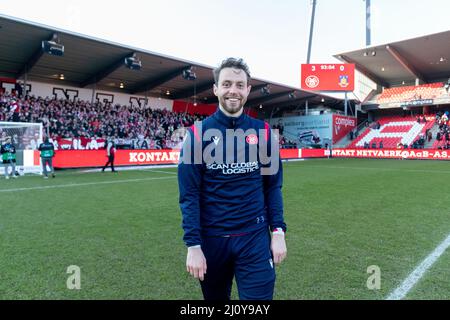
[135,168]
[156,171]
[415,276]
[82,184]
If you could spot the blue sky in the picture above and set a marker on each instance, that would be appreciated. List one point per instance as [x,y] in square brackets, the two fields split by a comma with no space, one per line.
[272,36]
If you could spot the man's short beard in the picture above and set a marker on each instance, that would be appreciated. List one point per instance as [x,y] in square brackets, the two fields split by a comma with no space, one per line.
[232,111]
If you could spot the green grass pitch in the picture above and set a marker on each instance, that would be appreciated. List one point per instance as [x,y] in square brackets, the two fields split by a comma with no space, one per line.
[124,232]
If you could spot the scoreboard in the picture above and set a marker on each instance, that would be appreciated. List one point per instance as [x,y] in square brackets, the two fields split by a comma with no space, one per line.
[328,77]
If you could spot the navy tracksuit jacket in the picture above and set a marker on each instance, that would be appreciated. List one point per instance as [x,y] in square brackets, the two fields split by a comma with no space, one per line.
[229,199]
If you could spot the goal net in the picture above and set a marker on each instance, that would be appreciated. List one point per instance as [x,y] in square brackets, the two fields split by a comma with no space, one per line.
[26,137]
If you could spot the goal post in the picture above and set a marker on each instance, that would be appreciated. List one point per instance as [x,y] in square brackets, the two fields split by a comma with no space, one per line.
[26,138]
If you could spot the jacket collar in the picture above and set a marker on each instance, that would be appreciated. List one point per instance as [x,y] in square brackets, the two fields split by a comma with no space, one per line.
[229,122]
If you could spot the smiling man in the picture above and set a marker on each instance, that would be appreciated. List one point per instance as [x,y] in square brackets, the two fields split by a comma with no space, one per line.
[230,195]
[231,89]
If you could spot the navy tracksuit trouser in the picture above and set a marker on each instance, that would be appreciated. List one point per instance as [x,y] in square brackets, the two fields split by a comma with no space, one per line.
[247,257]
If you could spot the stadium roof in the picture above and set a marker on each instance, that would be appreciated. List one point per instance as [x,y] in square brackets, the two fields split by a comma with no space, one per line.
[90,61]
[426,58]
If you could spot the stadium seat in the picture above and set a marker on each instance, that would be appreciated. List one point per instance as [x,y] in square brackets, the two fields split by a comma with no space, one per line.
[407,93]
[393,130]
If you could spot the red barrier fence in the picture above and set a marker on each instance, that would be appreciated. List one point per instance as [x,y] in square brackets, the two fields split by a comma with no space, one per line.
[420,154]
[97,158]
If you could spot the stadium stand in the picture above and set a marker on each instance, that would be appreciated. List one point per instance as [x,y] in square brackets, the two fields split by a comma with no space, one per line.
[74,125]
[394,130]
[425,91]
[67,121]
[443,135]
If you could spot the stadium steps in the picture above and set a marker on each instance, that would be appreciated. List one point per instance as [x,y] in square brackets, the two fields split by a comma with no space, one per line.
[434,130]
[439,144]
[345,142]
[361,136]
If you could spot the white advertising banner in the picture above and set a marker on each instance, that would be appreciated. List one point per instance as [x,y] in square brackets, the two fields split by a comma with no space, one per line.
[306,130]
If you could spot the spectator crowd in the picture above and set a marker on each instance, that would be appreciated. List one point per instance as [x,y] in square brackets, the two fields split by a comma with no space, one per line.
[443,135]
[85,125]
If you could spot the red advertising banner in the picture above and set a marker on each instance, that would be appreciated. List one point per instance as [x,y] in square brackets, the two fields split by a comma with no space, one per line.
[289,153]
[328,77]
[342,125]
[419,154]
[311,153]
[98,158]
